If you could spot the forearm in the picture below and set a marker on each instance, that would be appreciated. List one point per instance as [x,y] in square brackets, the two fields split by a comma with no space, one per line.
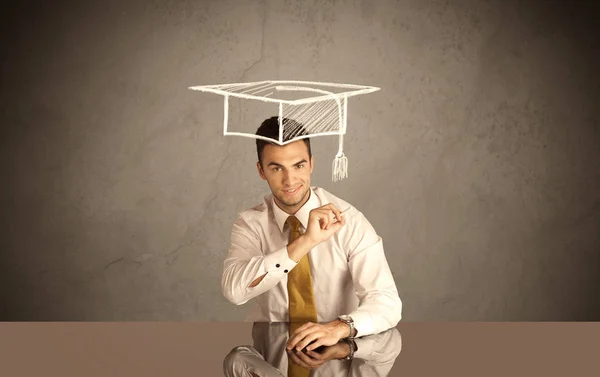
[377,312]
[245,278]
[237,280]
[299,248]
[296,250]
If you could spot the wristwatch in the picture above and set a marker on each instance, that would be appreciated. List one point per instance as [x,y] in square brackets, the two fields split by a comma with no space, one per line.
[350,322]
[352,349]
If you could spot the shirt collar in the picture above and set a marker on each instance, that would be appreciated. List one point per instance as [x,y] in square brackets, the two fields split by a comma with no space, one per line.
[302,214]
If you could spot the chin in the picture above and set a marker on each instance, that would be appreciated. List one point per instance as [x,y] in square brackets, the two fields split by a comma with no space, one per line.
[292,203]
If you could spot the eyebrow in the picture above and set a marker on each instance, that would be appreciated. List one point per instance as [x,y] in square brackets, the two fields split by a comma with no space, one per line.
[297,163]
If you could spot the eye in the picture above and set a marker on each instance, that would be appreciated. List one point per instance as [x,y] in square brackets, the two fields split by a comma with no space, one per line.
[276,168]
[300,166]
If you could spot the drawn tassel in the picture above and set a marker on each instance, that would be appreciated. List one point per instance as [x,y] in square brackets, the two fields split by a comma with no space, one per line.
[340,163]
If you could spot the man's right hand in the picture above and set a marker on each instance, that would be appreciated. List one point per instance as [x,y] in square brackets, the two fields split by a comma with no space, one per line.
[323,222]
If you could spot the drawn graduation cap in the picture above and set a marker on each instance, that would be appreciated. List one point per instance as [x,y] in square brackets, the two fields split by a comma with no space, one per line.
[306,109]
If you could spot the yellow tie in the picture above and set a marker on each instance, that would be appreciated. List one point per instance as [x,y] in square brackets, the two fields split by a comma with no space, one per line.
[302,306]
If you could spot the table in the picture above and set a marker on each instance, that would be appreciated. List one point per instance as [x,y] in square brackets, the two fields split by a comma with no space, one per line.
[199,348]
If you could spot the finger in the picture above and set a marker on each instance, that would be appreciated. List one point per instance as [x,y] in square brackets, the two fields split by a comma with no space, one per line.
[328,217]
[324,223]
[307,339]
[298,339]
[299,334]
[304,357]
[303,328]
[314,345]
[315,355]
[335,227]
[312,363]
[320,217]
[330,206]
[332,219]
[337,213]
[294,341]
[291,343]
[342,218]
[296,360]
[306,336]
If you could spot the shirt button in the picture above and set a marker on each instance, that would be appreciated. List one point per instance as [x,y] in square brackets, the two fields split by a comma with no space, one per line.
[277,265]
[285,271]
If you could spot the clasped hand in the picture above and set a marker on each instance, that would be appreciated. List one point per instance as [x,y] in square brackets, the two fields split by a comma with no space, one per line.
[314,359]
[313,335]
[306,339]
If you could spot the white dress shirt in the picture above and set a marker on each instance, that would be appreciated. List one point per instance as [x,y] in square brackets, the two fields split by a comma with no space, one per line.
[375,355]
[350,273]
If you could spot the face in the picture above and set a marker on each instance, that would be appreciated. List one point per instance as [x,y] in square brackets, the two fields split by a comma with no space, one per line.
[287,170]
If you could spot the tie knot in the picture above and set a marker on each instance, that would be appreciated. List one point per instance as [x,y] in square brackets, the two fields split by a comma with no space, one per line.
[293,222]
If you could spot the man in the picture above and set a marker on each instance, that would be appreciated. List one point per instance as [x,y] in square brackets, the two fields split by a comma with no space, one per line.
[306,255]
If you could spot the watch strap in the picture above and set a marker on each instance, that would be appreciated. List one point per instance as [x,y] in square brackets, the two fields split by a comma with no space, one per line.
[350,322]
[352,349]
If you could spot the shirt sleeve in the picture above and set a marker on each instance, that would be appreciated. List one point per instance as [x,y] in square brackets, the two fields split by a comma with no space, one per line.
[376,354]
[246,262]
[380,307]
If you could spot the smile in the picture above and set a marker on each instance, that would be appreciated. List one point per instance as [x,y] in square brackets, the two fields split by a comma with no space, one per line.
[292,191]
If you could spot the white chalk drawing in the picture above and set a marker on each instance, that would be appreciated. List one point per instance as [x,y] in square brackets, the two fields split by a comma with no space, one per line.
[320,107]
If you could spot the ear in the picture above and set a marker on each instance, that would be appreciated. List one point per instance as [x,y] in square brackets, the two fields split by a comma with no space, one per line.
[261,173]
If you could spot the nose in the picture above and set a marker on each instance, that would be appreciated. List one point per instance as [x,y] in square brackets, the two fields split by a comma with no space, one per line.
[288,177]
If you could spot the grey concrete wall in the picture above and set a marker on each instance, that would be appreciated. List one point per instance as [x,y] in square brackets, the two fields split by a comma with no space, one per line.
[478,162]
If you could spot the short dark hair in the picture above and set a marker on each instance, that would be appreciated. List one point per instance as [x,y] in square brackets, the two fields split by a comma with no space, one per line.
[270,128]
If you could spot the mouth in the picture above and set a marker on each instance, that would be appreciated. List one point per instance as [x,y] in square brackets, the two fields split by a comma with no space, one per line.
[292,191]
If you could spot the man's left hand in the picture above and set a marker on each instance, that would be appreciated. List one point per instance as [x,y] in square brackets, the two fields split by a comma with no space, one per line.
[326,334]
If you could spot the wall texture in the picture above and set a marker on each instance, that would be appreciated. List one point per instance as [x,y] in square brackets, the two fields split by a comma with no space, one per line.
[478,162]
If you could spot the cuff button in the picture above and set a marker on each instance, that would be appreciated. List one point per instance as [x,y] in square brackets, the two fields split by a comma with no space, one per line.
[285,271]
[277,265]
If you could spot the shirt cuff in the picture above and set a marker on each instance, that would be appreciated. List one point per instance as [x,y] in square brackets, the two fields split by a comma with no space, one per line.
[279,261]
[364,348]
[363,323]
